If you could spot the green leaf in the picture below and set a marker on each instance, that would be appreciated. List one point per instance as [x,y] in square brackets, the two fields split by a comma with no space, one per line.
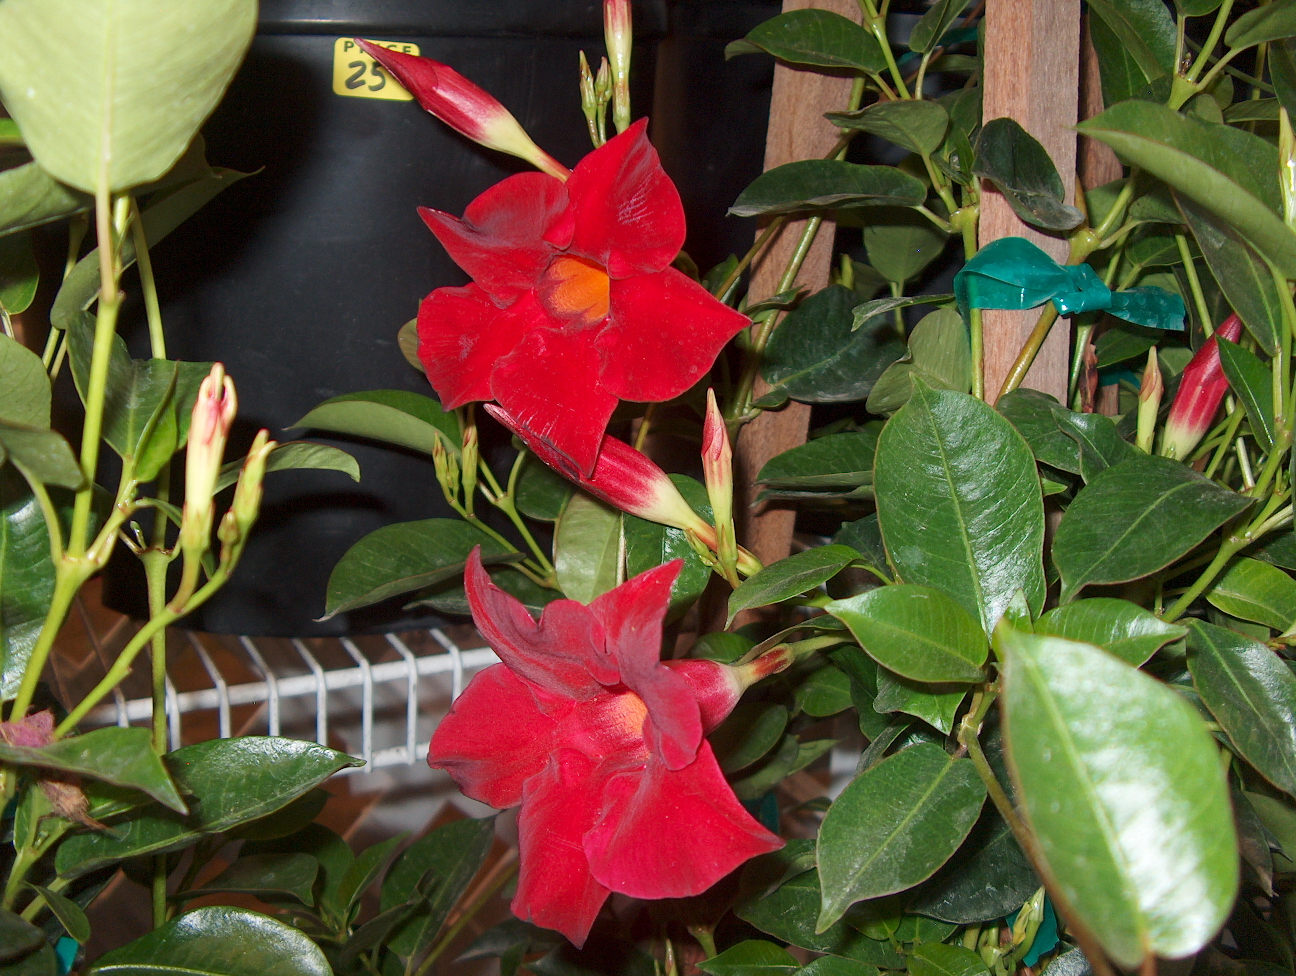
[988,877]
[818,38]
[900,243]
[916,631]
[1122,78]
[1122,786]
[404,557]
[1282,72]
[17,936]
[1243,275]
[1032,413]
[44,453]
[935,704]
[1117,626]
[817,184]
[364,871]
[541,491]
[879,306]
[435,870]
[789,577]
[19,273]
[791,755]
[88,106]
[1252,694]
[286,820]
[1270,23]
[864,537]
[650,544]
[789,913]
[940,355]
[1145,29]
[749,733]
[959,502]
[295,456]
[938,959]
[587,548]
[842,460]
[268,876]
[917,126]
[1020,168]
[24,386]
[755,957]
[29,197]
[231,782]
[332,856]
[26,578]
[392,416]
[1252,381]
[1121,343]
[837,966]
[826,692]
[1099,440]
[1136,518]
[818,356]
[1255,590]
[217,941]
[894,825]
[1225,169]
[931,27]
[121,756]
[42,962]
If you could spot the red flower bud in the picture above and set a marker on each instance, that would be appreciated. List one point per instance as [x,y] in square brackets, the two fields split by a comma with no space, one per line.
[1201,388]
[463,106]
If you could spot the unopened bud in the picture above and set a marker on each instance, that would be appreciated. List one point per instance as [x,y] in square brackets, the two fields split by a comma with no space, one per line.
[245,508]
[1202,386]
[446,465]
[590,106]
[1287,167]
[213,413]
[618,34]
[718,687]
[717,470]
[469,472]
[603,83]
[1149,402]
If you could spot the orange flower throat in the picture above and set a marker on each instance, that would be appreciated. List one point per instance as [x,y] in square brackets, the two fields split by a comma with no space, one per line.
[574,288]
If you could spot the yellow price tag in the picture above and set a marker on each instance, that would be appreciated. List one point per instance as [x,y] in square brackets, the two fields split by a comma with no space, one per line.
[356,75]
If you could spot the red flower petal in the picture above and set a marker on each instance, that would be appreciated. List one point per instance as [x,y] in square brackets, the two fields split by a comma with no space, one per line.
[555,889]
[550,386]
[625,212]
[667,834]
[462,334]
[562,654]
[499,241]
[495,737]
[663,333]
[632,617]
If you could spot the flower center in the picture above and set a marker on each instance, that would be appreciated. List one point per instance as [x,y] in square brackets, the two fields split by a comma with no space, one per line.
[573,288]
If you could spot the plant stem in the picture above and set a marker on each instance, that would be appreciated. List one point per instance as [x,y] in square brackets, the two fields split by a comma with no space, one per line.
[731,279]
[1194,284]
[157,338]
[1217,29]
[453,932]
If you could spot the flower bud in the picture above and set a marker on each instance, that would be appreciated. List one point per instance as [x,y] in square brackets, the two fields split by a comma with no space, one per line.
[1287,167]
[1149,402]
[1201,388]
[719,686]
[620,39]
[469,471]
[446,466]
[717,469]
[590,106]
[463,106]
[213,412]
[245,508]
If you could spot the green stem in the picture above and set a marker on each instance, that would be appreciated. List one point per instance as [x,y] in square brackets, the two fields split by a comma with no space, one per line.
[897,290]
[67,584]
[157,338]
[1226,552]
[1194,284]
[967,737]
[469,913]
[1217,29]
[1234,421]
[731,279]
[966,221]
[877,26]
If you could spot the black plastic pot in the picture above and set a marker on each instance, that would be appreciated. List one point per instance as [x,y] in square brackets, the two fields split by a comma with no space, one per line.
[299,277]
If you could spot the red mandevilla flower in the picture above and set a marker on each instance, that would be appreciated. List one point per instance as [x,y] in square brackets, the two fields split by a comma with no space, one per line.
[1201,388]
[602,745]
[574,303]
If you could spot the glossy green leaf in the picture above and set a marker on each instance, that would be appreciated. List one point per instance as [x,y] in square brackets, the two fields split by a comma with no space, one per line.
[17,936]
[1118,70]
[1122,786]
[959,503]
[988,877]
[229,782]
[1117,626]
[917,126]
[19,273]
[296,456]
[1144,29]
[838,966]
[404,557]
[364,871]
[918,632]
[940,355]
[790,577]
[789,913]
[331,854]
[1243,275]
[44,453]
[817,184]
[931,27]
[935,704]
[541,491]
[816,355]
[26,578]
[1020,168]
[825,692]
[1272,22]
[88,106]
[1136,518]
[880,306]
[268,876]
[29,197]
[755,957]
[1122,343]
[842,460]
[1032,413]
[722,646]
[24,386]
[1278,548]
[1252,381]
[938,959]
[217,941]
[1252,694]
[894,825]
[749,733]
[864,537]
[587,548]
[791,755]
[1256,590]
[286,820]
[392,416]
[121,756]
[435,871]
[900,243]
[650,544]
[1098,438]
[818,38]
[1225,169]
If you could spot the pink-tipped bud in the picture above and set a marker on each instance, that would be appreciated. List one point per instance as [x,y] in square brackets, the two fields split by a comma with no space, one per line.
[719,686]
[213,413]
[619,35]
[1201,388]
[246,506]
[463,106]
[717,470]
[1150,392]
